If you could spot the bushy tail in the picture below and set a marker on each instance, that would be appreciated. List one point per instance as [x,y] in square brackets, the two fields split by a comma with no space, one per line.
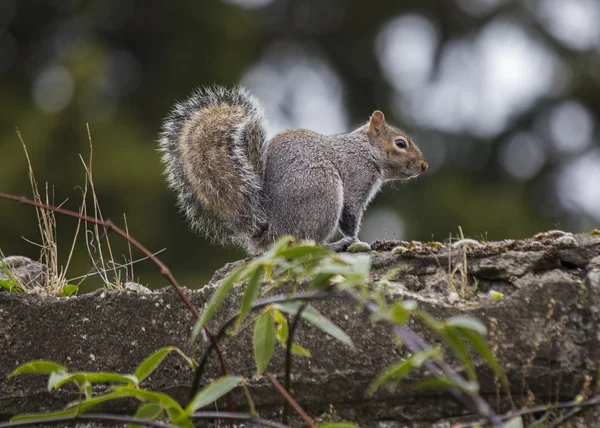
[212,145]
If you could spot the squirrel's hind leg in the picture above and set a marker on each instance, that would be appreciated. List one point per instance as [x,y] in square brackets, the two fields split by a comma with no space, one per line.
[308,208]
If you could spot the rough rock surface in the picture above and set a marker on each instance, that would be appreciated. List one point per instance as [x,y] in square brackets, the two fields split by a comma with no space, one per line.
[29,273]
[544,330]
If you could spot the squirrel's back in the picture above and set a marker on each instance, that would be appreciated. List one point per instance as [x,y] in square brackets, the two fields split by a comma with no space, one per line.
[212,145]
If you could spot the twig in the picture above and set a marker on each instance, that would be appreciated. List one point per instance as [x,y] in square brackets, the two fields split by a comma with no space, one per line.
[574,405]
[415,344]
[90,417]
[108,224]
[279,387]
[120,266]
[237,417]
[258,304]
[164,270]
[288,360]
[143,421]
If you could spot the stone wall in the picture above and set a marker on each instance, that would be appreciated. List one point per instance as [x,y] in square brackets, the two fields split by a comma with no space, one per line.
[545,328]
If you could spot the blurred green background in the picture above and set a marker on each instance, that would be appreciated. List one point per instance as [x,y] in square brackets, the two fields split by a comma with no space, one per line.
[503,97]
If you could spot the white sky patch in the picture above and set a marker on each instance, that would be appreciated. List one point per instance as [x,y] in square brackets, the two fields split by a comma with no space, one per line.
[571,126]
[523,156]
[382,223]
[578,184]
[53,89]
[483,82]
[299,90]
[406,47]
[575,23]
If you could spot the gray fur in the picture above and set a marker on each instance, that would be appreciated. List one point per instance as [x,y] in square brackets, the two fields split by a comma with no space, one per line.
[312,181]
[245,146]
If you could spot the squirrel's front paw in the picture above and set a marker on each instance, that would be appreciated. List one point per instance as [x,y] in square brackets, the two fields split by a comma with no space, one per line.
[346,243]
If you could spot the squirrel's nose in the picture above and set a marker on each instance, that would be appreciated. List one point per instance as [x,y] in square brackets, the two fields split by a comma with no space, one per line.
[424,166]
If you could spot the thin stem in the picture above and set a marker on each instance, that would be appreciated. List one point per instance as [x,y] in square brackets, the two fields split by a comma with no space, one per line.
[231,416]
[574,405]
[164,270]
[237,417]
[258,304]
[108,224]
[438,368]
[90,417]
[279,387]
[253,411]
[288,360]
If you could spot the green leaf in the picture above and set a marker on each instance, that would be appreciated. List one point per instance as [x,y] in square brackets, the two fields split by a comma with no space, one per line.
[311,315]
[264,341]
[447,383]
[10,285]
[481,346]
[150,411]
[399,313]
[68,290]
[39,366]
[337,425]
[179,418]
[63,378]
[109,377]
[278,247]
[31,417]
[331,267]
[217,299]
[361,264]
[398,371]
[157,397]
[453,339]
[150,364]
[467,323]
[351,282]
[87,390]
[282,327]
[304,250]
[56,377]
[300,351]
[89,404]
[80,378]
[429,321]
[212,392]
[250,294]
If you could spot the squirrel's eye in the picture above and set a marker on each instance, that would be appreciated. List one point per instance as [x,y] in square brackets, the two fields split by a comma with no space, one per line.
[401,143]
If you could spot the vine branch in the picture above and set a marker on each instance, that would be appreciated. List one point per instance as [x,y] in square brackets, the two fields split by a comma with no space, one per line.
[256,305]
[164,270]
[288,360]
[574,405]
[279,387]
[120,419]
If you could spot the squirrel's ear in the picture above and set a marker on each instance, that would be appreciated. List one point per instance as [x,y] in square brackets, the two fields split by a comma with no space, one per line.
[376,122]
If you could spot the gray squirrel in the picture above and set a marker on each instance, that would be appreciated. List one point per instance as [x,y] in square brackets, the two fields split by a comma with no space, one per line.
[236,187]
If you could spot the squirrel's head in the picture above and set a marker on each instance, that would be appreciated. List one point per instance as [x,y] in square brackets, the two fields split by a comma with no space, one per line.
[401,157]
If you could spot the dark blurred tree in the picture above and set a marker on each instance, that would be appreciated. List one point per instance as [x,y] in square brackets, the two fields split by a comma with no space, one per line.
[120,64]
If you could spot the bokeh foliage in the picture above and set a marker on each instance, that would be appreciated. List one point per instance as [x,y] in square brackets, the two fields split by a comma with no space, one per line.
[128,61]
